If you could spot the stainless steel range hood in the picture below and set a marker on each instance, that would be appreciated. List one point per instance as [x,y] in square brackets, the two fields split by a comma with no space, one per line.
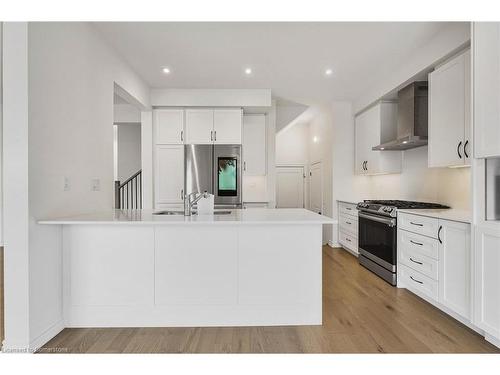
[412,119]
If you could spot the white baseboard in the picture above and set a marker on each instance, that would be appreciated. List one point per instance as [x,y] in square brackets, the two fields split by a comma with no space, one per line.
[36,343]
[334,244]
[492,340]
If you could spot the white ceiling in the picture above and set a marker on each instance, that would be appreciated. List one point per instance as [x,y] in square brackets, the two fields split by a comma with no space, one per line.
[289,58]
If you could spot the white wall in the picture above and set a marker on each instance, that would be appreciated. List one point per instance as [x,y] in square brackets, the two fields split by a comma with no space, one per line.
[292,146]
[71,80]
[126,113]
[128,150]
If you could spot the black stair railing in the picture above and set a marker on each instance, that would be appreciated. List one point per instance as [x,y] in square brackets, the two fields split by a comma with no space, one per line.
[128,195]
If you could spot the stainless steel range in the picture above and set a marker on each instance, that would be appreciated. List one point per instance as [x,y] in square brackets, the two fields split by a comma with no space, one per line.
[378,234]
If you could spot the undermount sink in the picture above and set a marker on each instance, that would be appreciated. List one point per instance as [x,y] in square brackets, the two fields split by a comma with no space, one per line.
[221,212]
[169,213]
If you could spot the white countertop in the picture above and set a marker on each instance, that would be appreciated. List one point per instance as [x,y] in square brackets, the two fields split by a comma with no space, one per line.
[463,216]
[351,201]
[239,217]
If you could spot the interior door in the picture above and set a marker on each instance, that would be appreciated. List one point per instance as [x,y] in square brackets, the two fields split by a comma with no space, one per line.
[289,187]
[316,188]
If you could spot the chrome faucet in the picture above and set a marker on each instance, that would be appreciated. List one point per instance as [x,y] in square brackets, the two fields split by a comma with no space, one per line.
[188,203]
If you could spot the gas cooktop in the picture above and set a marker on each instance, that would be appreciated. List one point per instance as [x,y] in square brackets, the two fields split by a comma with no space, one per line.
[389,207]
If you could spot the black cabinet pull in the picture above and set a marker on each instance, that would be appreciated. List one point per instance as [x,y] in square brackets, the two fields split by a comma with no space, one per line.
[417,281]
[417,224]
[439,232]
[416,243]
[348,222]
[465,149]
[414,261]
[458,149]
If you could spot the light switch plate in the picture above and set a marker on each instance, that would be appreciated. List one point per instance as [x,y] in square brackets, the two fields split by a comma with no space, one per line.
[95,184]
[66,184]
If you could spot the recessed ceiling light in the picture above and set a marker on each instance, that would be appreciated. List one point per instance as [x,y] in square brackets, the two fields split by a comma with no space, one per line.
[315,139]
[329,72]
[248,71]
[382,148]
[405,142]
[166,70]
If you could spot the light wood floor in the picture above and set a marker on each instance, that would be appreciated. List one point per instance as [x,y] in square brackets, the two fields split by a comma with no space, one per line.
[361,314]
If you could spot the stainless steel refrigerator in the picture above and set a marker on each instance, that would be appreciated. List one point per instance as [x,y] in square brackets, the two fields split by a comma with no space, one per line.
[215,169]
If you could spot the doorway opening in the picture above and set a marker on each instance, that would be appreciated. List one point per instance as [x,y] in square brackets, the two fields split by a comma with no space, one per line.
[127,159]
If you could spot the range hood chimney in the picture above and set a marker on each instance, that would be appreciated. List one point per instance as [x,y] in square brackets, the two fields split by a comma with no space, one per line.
[412,119]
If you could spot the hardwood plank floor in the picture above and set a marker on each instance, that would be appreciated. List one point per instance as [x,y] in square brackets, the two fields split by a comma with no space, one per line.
[361,314]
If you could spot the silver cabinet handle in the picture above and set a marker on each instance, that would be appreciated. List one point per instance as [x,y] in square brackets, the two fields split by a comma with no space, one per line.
[465,149]
[417,281]
[244,165]
[215,135]
[348,222]
[348,208]
[458,149]
[182,135]
[347,239]
[417,224]
[416,243]
[211,135]
[182,193]
[414,261]
[439,233]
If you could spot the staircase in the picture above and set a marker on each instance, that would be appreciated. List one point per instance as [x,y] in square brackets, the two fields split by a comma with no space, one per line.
[128,195]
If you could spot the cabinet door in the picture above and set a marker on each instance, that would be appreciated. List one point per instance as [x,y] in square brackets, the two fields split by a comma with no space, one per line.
[254,145]
[169,126]
[227,126]
[361,143]
[169,174]
[486,44]
[447,113]
[487,279]
[455,267]
[199,126]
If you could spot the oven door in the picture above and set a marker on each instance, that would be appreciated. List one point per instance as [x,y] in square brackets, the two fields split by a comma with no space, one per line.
[378,239]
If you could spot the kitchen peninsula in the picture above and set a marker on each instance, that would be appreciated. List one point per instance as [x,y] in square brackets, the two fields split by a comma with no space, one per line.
[137,269]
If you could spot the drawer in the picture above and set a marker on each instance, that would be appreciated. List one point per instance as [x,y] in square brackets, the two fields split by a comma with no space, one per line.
[418,262]
[348,241]
[415,281]
[349,224]
[427,226]
[348,209]
[418,244]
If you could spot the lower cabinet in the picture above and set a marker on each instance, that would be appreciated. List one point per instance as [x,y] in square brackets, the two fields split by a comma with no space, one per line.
[439,264]
[487,280]
[169,174]
[348,227]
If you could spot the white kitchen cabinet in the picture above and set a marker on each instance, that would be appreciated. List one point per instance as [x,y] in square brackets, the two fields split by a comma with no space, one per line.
[486,49]
[213,126]
[348,226]
[455,267]
[449,113]
[434,259]
[227,126]
[374,126]
[254,145]
[169,174]
[199,126]
[487,279]
[169,126]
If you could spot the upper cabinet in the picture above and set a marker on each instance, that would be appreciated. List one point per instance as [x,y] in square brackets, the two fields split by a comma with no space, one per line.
[169,126]
[227,126]
[219,126]
[374,126]
[199,126]
[486,48]
[254,145]
[449,113]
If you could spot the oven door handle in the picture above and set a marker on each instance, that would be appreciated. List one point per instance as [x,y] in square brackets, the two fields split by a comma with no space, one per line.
[388,221]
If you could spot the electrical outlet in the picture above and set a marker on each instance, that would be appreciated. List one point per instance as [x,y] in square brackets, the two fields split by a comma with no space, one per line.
[66,184]
[95,184]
